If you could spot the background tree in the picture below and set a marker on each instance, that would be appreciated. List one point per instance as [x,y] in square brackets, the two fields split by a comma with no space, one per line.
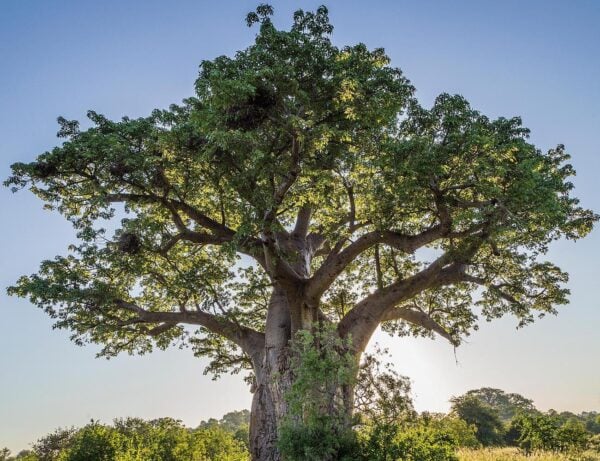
[548,432]
[489,427]
[235,422]
[94,441]
[592,421]
[507,405]
[49,447]
[302,186]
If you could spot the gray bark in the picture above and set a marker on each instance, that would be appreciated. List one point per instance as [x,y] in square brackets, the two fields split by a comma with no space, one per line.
[272,380]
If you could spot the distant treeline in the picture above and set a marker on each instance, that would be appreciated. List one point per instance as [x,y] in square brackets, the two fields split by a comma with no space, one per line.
[501,418]
[480,418]
[134,439]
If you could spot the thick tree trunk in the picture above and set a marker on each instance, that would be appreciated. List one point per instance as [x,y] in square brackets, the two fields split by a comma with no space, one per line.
[263,426]
[269,406]
[273,378]
[289,311]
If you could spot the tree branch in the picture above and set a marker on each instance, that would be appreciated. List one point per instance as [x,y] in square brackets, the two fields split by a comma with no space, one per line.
[222,234]
[249,340]
[303,221]
[336,262]
[362,320]
[418,318]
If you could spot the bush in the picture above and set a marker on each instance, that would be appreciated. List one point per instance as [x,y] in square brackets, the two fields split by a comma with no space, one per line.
[462,434]
[545,432]
[133,439]
[93,442]
[217,443]
[490,430]
[594,443]
[417,442]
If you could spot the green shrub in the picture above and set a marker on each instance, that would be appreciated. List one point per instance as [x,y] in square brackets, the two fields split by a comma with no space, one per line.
[490,430]
[548,432]
[463,434]
[218,444]
[418,442]
[93,442]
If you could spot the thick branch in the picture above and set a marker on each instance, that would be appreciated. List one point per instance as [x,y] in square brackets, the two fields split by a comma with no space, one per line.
[303,221]
[249,340]
[289,179]
[362,320]
[221,233]
[418,318]
[336,263]
[195,214]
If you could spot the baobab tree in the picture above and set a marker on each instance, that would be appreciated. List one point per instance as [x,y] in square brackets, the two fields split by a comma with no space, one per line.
[302,186]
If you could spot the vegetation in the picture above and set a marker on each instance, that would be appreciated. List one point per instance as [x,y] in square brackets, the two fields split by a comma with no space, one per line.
[302,189]
[133,439]
[506,406]
[379,433]
[308,432]
[488,426]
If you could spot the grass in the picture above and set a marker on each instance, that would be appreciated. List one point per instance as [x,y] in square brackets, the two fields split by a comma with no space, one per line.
[513,454]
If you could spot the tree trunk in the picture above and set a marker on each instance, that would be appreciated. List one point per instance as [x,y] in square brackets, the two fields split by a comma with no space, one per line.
[263,426]
[288,312]
[273,378]
[269,406]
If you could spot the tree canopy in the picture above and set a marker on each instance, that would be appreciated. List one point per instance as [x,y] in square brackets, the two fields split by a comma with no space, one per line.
[299,167]
[507,405]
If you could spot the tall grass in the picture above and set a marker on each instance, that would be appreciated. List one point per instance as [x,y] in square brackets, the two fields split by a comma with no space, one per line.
[513,454]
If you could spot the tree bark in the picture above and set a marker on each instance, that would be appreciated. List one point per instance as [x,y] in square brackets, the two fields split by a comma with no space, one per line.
[273,378]
[269,407]
[263,425]
[289,311]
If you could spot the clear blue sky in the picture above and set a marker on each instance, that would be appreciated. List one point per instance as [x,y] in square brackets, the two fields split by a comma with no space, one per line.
[537,59]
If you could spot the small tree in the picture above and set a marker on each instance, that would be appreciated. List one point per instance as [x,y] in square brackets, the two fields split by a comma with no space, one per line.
[461,433]
[317,167]
[489,427]
[50,446]
[94,441]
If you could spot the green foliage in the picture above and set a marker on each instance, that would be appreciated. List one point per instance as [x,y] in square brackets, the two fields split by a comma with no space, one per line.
[195,186]
[413,442]
[317,427]
[594,442]
[94,441]
[215,443]
[486,420]
[547,432]
[507,405]
[234,422]
[50,446]
[381,395]
[461,433]
[592,421]
[134,439]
